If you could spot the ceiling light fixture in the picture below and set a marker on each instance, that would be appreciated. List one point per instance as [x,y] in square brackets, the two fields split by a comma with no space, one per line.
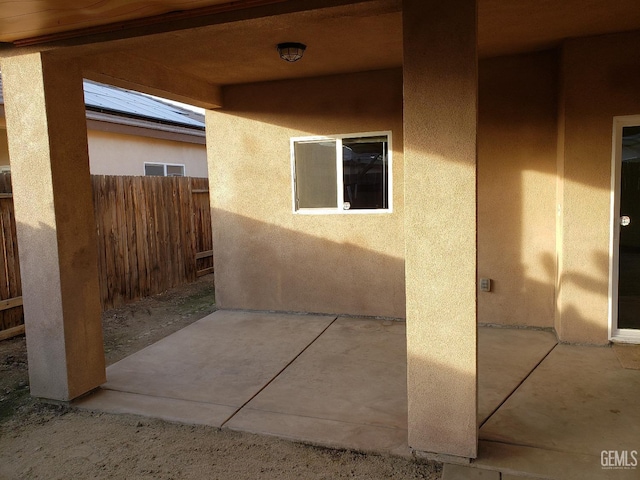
[291,51]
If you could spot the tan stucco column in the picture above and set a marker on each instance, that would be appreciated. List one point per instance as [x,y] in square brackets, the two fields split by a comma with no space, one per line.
[440,105]
[47,136]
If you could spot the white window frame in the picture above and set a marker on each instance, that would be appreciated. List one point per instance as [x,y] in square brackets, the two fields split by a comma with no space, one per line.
[164,165]
[339,210]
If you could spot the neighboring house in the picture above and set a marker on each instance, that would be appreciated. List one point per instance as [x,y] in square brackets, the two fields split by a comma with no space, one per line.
[417,147]
[134,134]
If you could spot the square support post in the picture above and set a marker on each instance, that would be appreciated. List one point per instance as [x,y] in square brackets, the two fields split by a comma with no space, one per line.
[440,120]
[47,136]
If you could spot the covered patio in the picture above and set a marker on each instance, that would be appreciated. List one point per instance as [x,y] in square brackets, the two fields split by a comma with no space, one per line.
[340,381]
[493,122]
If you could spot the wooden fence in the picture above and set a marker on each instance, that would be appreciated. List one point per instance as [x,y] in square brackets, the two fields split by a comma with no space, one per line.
[154,233]
[202,225]
[11,316]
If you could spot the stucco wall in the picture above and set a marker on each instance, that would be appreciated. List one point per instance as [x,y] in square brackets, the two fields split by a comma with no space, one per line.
[517,134]
[119,154]
[600,80]
[516,195]
[266,256]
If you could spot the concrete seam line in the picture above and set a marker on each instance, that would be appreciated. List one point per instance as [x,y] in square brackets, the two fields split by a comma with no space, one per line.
[279,373]
[517,386]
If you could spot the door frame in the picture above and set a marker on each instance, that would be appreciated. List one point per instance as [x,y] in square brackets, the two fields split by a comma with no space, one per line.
[618,335]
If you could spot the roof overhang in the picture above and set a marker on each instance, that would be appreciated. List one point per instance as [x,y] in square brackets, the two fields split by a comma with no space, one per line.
[191,54]
[104,122]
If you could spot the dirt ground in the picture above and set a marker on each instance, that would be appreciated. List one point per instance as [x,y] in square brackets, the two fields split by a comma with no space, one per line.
[40,440]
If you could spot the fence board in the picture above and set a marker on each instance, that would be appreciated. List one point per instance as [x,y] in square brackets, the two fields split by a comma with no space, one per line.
[11,332]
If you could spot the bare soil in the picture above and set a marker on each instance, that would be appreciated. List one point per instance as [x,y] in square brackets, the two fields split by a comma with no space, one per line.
[43,440]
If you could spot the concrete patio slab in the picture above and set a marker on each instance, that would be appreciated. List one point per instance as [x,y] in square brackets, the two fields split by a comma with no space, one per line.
[628,355]
[223,359]
[169,409]
[459,472]
[347,389]
[323,432]
[517,461]
[342,383]
[506,476]
[577,403]
[505,357]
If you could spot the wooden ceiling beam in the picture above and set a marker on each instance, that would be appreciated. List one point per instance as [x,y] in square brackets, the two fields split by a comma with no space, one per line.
[53,26]
[173,21]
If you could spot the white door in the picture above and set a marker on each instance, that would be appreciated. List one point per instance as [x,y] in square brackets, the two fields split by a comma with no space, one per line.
[625,268]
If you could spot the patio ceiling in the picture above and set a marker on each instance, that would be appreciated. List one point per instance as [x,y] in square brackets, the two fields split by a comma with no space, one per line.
[505,26]
[212,43]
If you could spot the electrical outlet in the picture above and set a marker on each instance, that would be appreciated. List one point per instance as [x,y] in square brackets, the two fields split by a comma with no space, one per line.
[485,284]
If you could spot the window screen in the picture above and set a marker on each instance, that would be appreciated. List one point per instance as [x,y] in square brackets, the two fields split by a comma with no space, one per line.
[315,167]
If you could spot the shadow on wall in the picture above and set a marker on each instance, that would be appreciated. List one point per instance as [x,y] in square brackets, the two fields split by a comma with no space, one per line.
[517,136]
[591,284]
[323,105]
[588,314]
[518,204]
[267,267]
